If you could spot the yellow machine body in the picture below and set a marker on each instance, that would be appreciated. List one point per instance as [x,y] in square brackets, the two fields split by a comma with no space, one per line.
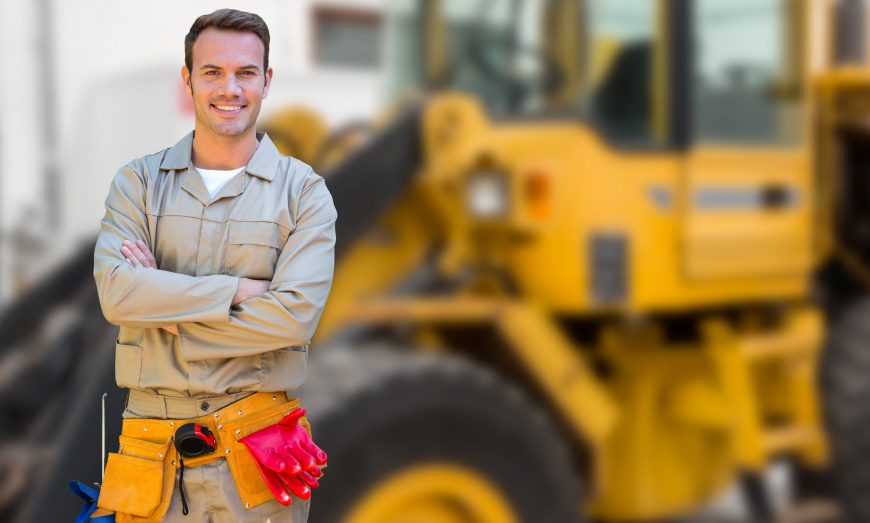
[632,242]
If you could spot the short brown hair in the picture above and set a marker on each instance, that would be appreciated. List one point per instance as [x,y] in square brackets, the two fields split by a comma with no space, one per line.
[231,20]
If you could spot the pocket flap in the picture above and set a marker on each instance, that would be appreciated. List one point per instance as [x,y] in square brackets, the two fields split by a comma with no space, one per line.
[250,424]
[128,364]
[142,449]
[257,233]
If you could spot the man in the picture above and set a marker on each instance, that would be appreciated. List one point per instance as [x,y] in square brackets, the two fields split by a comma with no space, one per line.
[215,257]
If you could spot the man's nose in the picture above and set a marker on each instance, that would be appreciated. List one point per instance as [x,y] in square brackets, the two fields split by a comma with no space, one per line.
[230,87]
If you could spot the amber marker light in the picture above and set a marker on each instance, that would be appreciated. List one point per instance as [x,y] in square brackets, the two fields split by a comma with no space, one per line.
[538,195]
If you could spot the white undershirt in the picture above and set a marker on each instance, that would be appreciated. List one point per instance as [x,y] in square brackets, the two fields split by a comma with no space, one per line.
[214,180]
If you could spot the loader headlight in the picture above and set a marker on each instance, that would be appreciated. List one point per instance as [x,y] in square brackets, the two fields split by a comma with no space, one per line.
[488,194]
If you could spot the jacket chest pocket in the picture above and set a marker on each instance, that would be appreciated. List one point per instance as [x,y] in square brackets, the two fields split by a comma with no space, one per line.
[253,248]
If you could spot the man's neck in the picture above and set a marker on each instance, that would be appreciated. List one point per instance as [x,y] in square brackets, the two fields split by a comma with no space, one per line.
[223,152]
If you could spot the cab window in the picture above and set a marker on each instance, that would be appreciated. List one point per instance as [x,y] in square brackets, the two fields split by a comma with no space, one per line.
[745,76]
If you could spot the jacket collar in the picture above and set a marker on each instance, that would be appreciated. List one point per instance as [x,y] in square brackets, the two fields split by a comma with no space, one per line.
[263,163]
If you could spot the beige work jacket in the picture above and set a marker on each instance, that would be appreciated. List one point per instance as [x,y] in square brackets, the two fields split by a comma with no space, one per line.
[273,221]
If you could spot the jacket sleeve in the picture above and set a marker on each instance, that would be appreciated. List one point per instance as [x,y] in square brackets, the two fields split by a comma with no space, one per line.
[136,296]
[288,313]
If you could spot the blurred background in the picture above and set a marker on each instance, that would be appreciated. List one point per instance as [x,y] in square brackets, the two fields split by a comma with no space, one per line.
[597,259]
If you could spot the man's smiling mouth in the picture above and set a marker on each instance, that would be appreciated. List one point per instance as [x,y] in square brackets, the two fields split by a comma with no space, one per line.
[228,108]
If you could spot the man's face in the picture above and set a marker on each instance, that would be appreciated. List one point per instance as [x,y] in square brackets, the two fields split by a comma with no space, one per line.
[227,81]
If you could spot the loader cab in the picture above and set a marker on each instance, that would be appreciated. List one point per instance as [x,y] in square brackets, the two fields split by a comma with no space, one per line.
[644,72]
[697,109]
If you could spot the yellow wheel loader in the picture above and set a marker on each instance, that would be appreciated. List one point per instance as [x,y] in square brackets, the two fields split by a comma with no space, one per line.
[587,273]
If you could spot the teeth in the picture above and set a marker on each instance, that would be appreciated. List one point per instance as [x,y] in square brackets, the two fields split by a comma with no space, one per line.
[228,107]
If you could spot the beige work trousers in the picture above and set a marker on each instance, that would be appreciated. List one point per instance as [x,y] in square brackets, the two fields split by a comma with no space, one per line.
[209,489]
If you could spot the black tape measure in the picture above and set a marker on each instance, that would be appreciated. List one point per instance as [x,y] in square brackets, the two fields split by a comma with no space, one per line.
[192,440]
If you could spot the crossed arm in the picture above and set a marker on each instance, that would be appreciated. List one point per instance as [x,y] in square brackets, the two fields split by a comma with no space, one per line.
[216,316]
[137,254]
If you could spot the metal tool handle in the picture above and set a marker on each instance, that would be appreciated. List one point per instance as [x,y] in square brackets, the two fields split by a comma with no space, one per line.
[103,428]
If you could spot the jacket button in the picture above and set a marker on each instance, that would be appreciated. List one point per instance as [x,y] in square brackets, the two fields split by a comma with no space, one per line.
[204,405]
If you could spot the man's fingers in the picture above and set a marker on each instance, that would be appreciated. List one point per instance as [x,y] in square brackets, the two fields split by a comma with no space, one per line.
[134,252]
[148,254]
[131,251]
[129,256]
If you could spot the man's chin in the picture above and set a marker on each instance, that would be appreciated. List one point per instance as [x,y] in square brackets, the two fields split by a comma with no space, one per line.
[229,131]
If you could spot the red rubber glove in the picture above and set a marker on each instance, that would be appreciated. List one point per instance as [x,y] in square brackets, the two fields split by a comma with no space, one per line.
[287,458]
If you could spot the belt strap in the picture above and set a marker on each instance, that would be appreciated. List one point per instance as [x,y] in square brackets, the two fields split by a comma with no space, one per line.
[151,405]
[164,429]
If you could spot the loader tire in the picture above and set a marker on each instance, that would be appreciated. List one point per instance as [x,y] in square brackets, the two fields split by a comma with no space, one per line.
[406,428]
[845,386]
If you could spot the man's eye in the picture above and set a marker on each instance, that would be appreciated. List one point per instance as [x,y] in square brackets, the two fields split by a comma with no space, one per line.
[249,73]
[211,73]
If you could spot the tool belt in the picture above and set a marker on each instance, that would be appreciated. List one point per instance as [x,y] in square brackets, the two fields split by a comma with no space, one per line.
[140,477]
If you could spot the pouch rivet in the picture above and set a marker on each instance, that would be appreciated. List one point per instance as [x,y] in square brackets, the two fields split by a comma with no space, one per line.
[220,426]
[239,413]
[215,414]
[171,424]
[160,455]
[173,463]
[238,431]
[145,428]
[228,451]
[274,397]
[247,505]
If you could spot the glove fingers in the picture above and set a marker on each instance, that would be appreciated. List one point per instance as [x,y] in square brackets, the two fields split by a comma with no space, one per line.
[305,459]
[293,465]
[276,487]
[295,485]
[311,448]
[269,457]
[309,478]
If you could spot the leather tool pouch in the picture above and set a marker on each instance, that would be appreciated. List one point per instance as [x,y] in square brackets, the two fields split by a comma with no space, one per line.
[252,489]
[139,478]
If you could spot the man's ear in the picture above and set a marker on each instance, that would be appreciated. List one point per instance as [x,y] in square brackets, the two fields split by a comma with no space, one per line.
[268,82]
[185,77]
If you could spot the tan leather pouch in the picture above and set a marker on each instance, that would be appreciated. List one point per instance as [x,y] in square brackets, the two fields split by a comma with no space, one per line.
[252,489]
[144,469]
[139,479]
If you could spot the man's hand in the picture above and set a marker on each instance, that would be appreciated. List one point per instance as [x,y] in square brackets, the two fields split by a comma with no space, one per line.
[249,288]
[138,254]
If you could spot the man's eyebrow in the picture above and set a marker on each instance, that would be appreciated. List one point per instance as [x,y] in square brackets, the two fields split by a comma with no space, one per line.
[250,66]
[210,66]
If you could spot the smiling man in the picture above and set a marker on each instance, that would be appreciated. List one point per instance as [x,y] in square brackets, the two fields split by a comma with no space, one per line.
[215,258]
